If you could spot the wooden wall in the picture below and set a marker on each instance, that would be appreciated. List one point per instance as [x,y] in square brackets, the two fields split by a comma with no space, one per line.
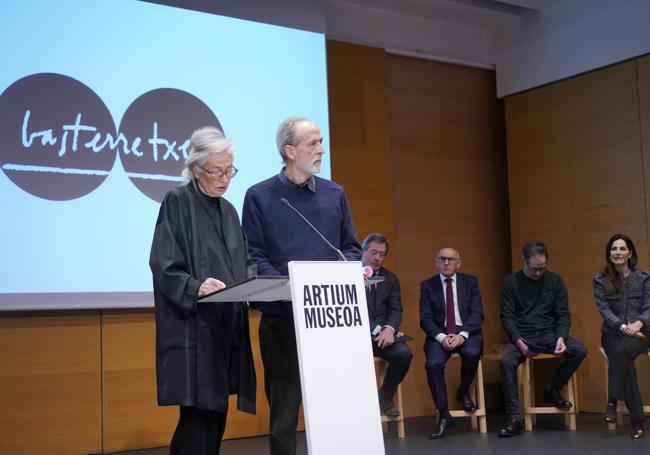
[50,383]
[420,149]
[448,148]
[578,173]
[85,382]
[360,137]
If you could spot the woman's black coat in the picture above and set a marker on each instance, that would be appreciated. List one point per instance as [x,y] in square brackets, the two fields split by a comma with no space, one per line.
[203,351]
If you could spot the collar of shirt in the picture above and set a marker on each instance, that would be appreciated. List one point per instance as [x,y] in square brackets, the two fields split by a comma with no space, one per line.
[311,183]
[443,278]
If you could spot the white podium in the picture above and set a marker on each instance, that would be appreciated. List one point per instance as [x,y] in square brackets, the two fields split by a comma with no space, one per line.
[336,363]
[337,371]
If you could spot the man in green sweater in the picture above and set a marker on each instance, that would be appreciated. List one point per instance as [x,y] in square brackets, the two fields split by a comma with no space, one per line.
[535,315]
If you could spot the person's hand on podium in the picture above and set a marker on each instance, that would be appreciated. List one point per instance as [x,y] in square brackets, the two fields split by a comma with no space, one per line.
[210,285]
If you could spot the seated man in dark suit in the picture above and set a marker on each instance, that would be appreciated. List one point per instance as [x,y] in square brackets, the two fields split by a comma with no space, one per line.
[451,315]
[385,313]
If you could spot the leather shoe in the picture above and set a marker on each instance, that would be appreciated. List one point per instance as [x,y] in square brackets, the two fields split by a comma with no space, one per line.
[553,397]
[610,412]
[513,428]
[388,408]
[444,425]
[466,401]
[637,432]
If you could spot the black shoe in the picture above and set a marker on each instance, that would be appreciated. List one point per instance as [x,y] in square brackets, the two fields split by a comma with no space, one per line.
[610,413]
[444,425]
[637,431]
[466,401]
[513,427]
[387,407]
[553,397]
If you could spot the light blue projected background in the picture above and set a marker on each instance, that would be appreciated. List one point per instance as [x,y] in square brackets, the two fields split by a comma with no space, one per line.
[251,75]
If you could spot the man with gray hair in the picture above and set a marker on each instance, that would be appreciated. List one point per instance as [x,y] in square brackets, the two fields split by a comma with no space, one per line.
[385,313]
[535,315]
[277,235]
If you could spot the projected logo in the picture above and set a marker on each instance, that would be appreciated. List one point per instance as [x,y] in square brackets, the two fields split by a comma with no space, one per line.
[58,140]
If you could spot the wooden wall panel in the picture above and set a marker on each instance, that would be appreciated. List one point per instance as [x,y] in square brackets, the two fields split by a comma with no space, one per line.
[360,137]
[50,383]
[608,195]
[132,417]
[643,80]
[448,150]
[575,178]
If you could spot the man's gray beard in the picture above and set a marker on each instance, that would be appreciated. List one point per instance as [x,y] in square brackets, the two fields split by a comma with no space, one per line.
[311,171]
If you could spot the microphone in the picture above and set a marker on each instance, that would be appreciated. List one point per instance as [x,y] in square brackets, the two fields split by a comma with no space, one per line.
[338,252]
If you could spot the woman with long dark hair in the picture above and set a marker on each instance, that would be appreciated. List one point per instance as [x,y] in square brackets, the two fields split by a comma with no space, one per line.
[622,294]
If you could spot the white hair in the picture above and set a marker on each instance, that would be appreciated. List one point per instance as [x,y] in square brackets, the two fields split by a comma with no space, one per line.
[204,144]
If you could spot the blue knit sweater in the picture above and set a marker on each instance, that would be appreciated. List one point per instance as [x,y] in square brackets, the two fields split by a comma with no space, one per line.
[277,235]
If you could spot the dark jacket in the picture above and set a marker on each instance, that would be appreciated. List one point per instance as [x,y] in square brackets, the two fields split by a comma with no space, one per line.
[387,306]
[203,350]
[629,303]
[433,307]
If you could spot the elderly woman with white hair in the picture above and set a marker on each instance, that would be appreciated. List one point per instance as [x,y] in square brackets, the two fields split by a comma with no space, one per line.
[203,351]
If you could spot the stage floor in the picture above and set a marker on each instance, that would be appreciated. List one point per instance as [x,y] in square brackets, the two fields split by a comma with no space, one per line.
[549,438]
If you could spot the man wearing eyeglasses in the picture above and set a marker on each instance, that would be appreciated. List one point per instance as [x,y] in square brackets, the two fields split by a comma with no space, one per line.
[385,313]
[451,315]
[277,235]
[535,315]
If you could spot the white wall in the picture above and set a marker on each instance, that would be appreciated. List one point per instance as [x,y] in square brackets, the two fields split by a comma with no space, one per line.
[569,38]
[407,33]
[301,14]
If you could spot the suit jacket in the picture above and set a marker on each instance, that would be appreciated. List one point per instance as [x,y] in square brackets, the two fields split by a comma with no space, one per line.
[387,306]
[432,305]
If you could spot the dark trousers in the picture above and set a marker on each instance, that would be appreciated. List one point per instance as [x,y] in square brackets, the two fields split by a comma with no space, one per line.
[512,357]
[437,357]
[621,352]
[398,355]
[281,381]
[199,431]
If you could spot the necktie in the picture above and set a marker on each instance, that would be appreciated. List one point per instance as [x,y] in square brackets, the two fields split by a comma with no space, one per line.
[451,314]
[373,294]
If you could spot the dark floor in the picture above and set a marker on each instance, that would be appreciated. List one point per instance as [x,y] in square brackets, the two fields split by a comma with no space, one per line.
[550,437]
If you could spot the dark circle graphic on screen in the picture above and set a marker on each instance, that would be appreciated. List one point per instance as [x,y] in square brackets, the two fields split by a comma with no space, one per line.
[164,120]
[53,137]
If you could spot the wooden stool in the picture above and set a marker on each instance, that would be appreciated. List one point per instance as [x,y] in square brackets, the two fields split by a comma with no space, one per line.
[527,384]
[620,407]
[479,418]
[381,365]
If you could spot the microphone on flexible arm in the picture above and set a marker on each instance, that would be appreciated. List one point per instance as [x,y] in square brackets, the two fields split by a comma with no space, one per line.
[338,252]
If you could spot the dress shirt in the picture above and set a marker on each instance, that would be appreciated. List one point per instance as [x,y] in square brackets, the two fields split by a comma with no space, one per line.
[441,336]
